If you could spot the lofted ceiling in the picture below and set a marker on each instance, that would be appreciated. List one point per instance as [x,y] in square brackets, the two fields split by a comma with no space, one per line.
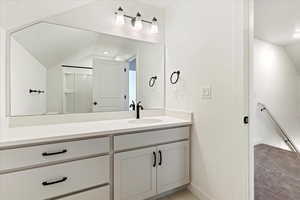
[15,13]
[53,44]
[158,3]
[276,21]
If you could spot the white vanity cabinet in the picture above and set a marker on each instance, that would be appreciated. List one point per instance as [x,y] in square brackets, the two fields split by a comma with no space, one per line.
[135,174]
[173,166]
[48,153]
[55,180]
[101,193]
[53,170]
[145,172]
[122,166]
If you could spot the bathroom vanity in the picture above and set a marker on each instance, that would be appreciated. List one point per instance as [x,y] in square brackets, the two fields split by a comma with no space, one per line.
[109,160]
[69,131]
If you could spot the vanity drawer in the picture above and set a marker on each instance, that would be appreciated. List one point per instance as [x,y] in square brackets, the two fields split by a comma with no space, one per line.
[56,180]
[30,156]
[101,193]
[131,141]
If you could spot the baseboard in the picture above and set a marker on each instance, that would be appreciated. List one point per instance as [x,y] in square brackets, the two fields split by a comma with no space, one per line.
[198,193]
[160,196]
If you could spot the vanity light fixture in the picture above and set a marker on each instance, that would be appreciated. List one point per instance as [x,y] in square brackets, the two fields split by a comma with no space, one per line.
[120,19]
[297,34]
[154,25]
[136,22]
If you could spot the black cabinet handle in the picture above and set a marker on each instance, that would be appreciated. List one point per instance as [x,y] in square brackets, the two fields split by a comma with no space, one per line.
[54,153]
[160,158]
[46,183]
[154,158]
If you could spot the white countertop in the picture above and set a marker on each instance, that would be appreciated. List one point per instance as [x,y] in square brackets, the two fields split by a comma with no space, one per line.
[20,136]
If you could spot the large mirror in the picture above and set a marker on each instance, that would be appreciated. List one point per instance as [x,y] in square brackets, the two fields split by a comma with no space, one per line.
[57,69]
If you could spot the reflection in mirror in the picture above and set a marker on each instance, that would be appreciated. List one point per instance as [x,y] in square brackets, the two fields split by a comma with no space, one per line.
[57,69]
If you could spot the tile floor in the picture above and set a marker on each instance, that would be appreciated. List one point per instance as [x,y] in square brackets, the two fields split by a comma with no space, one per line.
[181,195]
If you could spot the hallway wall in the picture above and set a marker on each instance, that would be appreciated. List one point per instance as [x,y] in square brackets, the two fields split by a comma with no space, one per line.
[276,84]
[205,41]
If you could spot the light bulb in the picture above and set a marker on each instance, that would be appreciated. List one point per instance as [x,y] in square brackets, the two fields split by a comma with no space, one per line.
[296,35]
[138,24]
[154,26]
[120,20]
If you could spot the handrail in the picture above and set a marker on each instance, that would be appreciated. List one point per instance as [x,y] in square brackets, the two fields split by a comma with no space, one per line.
[286,138]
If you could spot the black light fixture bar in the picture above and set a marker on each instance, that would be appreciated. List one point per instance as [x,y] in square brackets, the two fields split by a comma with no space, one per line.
[131,17]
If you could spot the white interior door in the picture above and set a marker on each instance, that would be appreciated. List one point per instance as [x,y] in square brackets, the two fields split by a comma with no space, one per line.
[135,174]
[110,85]
[173,166]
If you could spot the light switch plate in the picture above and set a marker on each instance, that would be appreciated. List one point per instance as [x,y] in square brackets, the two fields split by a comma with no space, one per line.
[206,92]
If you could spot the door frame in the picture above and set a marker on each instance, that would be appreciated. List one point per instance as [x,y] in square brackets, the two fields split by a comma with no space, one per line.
[249,19]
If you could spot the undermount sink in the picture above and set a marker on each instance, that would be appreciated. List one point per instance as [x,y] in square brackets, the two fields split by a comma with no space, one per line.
[144,121]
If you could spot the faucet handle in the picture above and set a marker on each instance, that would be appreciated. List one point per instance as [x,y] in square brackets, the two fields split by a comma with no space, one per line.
[139,105]
[132,105]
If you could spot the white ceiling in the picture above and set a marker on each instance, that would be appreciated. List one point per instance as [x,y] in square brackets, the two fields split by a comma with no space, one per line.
[53,44]
[276,21]
[158,3]
[14,13]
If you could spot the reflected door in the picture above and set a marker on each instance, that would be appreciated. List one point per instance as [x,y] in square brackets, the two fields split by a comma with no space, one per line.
[110,85]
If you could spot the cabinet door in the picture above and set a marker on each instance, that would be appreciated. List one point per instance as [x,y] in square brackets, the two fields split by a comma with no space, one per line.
[173,166]
[135,174]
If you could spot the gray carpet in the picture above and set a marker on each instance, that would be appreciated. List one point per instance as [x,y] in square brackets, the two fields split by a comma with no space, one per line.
[277,173]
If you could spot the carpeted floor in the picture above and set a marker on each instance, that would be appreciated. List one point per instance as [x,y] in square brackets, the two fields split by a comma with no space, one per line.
[277,174]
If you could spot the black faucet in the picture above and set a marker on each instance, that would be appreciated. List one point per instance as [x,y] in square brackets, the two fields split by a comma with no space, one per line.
[138,108]
[132,105]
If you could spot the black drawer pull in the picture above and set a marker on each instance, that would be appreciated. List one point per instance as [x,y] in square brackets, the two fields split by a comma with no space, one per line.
[55,153]
[154,158]
[160,158]
[45,183]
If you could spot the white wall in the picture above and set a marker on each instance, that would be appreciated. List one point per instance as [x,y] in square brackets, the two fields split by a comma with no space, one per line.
[275,84]
[205,40]
[26,73]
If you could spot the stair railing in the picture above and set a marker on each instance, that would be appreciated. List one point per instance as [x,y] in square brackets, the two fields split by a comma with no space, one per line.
[283,134]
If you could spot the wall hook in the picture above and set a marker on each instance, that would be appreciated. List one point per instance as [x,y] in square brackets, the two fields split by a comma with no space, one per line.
[36,91]
[175,74]
[152,81]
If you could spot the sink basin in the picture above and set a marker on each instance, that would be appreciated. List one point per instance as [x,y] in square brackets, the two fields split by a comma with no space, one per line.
[145,121]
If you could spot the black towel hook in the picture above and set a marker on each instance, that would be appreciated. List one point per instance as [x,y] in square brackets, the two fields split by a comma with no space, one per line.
[152,81]
[36,91]
[177,73]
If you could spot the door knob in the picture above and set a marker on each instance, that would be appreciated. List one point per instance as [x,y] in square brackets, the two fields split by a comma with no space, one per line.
[95,103]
